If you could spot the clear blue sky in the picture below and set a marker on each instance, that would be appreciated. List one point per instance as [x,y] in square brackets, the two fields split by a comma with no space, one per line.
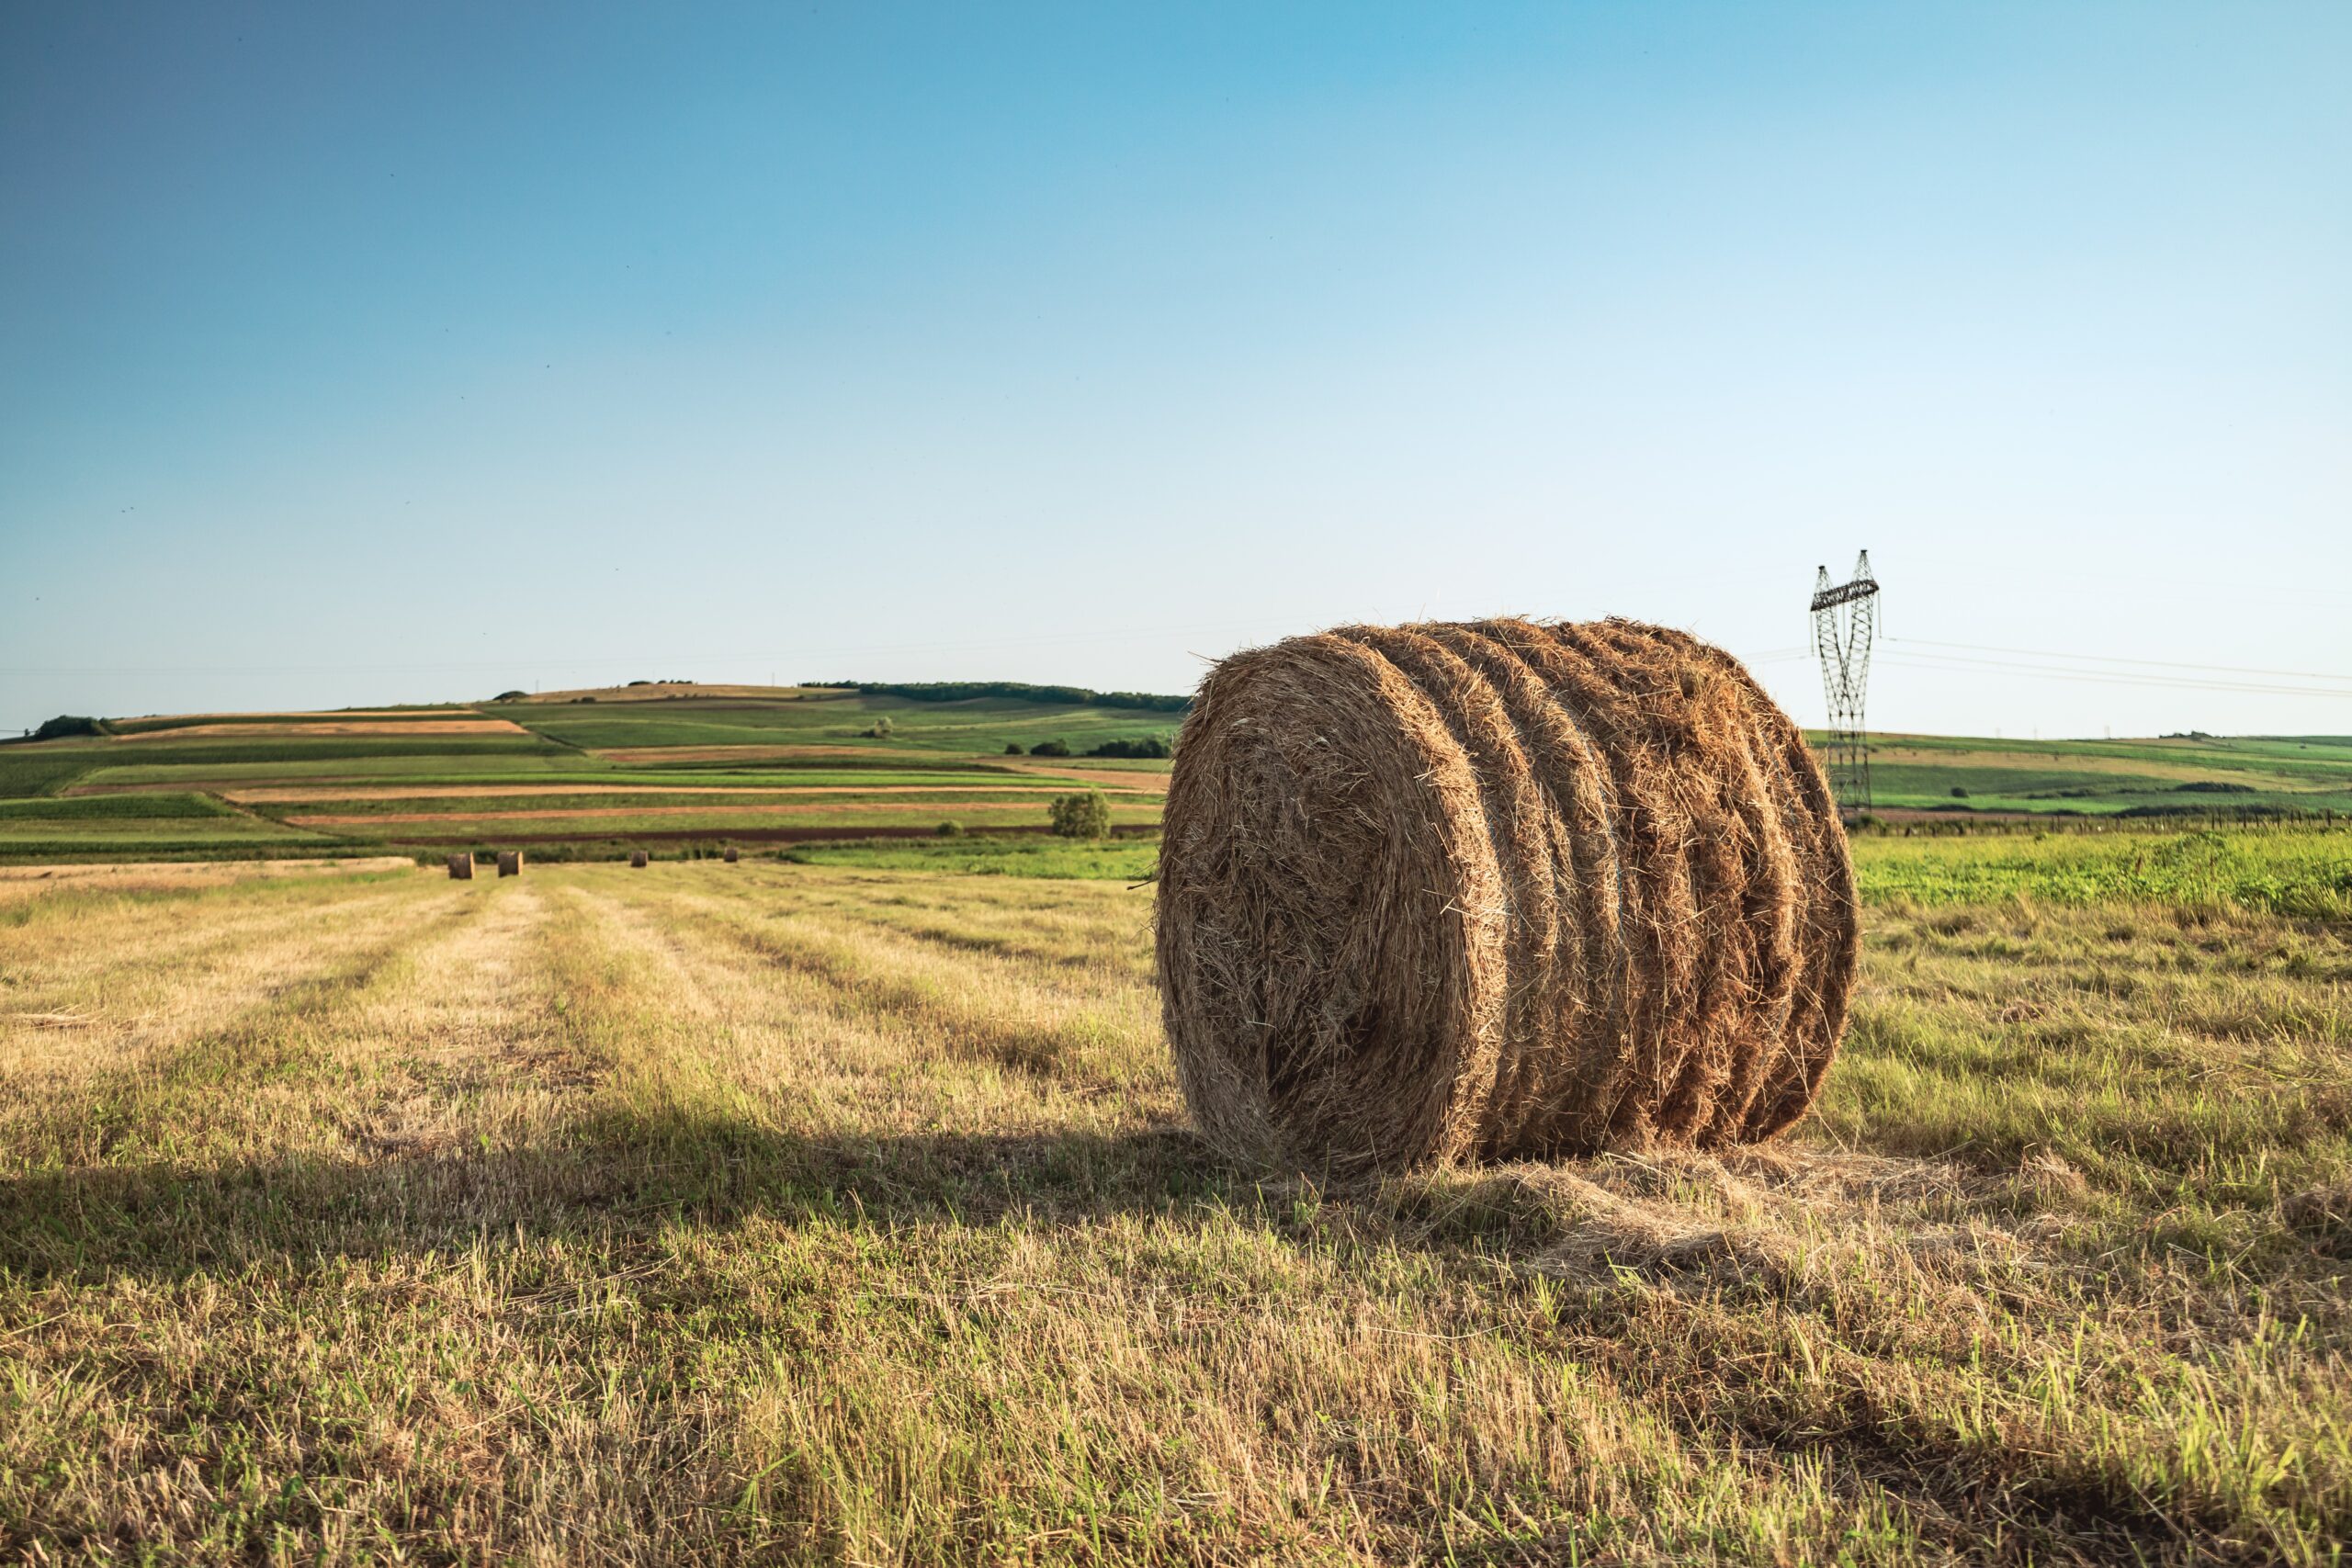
[354,353]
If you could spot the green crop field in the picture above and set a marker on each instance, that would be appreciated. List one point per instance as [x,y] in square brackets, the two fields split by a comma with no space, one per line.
[709,769]
[2209,775]
[847,1211]
[985,724]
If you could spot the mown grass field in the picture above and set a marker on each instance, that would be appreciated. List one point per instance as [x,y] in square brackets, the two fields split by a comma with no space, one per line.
[845,1213]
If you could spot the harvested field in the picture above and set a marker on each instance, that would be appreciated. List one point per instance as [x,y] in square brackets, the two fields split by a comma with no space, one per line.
[20,881]
[665,1215]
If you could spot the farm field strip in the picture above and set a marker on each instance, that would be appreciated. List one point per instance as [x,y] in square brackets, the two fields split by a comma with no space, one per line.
[299,794]
[848,1213]
[176,734]
[881,812]
[18,883]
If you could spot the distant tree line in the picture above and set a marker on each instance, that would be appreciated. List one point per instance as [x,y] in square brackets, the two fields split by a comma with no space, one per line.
[1149,746]
[1021,691]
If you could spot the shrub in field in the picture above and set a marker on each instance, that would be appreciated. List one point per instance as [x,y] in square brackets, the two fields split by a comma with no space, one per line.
[509,697]
[1149,746]
[1050,749]
[1085,814]
[881,730]
[67,724]
[1959,792]
[1014,749]
[949,830]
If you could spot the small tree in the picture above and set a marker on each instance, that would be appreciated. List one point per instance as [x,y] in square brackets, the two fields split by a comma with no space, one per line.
[1013,749]
[950,830]
[1959,792]
[882,729]
[1085,814]
[1050,749]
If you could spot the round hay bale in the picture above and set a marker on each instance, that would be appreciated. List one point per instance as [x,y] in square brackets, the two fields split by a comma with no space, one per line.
[636,858]
[730,854]
[1496,890]
[510,862]
[462,866]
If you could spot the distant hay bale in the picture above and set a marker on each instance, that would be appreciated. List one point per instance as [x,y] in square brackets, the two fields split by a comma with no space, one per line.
[1496,890]
[510,862]
[462,866]
[731,855]
[636,858]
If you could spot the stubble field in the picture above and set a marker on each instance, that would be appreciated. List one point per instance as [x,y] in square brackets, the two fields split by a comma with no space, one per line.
[838,1214]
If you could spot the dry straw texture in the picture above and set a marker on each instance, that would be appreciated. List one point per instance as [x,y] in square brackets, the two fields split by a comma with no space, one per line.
[1495,891]
[510,862]
[462,866]
[731,855]
[636,858]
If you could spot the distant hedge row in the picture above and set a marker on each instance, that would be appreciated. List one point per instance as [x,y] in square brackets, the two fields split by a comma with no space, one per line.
[964,690]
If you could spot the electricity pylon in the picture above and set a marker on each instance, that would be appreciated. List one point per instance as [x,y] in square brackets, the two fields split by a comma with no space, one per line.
[1844,614]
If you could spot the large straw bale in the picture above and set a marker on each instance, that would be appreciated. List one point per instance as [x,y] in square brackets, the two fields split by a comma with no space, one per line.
[1490,890]
[637,859]
[462,866]
[510,862]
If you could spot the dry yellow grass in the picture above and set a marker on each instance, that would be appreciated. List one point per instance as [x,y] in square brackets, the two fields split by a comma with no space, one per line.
[20,881]
[792,1214]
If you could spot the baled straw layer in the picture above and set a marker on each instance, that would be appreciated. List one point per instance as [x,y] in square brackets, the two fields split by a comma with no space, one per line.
[1496,890]
[462,866]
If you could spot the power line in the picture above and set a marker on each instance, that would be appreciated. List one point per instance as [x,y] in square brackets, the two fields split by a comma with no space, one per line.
[1950,664]
[2117,658]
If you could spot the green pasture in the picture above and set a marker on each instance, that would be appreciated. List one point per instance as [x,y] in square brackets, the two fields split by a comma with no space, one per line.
[1130,860]
[716,823]
[1930,786]
[980,725]
[51,837]
[2305,872]
[2268,762]
[732,805]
